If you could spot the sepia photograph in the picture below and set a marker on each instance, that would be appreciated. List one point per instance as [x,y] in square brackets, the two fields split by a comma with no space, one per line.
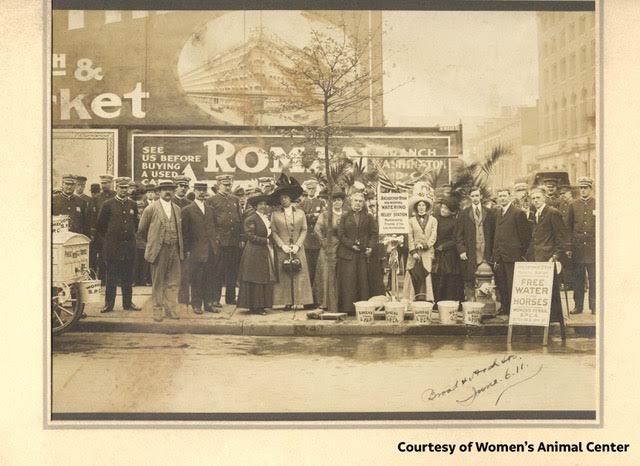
[320,215]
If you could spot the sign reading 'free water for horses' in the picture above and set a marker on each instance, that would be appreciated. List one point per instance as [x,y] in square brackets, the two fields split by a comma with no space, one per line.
[531,294]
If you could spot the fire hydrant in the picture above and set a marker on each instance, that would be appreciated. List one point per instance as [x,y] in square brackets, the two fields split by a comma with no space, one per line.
[486,289]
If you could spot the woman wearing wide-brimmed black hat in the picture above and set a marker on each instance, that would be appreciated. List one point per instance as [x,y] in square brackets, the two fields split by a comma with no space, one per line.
[446,272]
[257,272]
[289,225]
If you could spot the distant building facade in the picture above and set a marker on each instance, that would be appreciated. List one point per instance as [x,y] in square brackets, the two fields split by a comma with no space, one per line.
[567,92]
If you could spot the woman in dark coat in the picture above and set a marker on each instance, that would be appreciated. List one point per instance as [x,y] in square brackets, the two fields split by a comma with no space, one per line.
[257,271]
[446,272]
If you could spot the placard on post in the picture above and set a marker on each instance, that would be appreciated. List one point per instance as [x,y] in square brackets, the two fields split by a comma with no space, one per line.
[531,296]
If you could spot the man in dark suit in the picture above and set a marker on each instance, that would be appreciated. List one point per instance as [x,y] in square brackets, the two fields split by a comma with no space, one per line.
[474,239]
[201,246]
[357,236]
[226,208]
[510,243]
[180,199]
[547,243]
[117,224]
[581,244]
[67,203]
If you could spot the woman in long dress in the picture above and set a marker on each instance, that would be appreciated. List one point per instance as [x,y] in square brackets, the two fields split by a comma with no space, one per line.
[289,230]
[447,272]
[422,237]
[257,272]
[326,284]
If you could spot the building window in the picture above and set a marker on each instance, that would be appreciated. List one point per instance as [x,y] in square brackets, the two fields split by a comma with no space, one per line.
[593,52]
[76,19]
[546,136]
[572,31]
[546,78]
[563,69]
[112,16]
[563,119]
[582,24]
[562,39]
[572,116]
[572,64]
[553,45]
[139,14]
[592,20]
[554,122]
[583,57]
[545,49]
[554,74]
[583,112]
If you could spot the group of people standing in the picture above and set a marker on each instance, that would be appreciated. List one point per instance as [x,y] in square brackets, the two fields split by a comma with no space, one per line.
[447,243]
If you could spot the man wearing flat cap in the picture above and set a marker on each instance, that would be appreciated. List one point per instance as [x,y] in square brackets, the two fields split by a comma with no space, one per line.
[180,199]
[581,245]
[521,196]
[161,228]
[228,217]
[201,246]
[67,203]
[266,185]
[117,224]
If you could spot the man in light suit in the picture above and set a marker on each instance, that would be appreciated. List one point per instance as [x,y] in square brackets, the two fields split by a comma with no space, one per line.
[474,239]
[510,243]
[161,228]
[547,243]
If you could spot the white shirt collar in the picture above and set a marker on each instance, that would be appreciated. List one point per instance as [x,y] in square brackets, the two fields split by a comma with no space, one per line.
[505,208]
[539,210]
[166,206]
[200,204]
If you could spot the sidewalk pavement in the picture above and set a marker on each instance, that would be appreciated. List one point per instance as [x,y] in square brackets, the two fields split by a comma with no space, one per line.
[232,321]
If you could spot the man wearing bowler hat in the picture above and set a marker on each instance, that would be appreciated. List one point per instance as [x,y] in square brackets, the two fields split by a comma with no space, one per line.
[581,244]
[201,246]
[67,203]
[161,228]
[116,225]
[226,208]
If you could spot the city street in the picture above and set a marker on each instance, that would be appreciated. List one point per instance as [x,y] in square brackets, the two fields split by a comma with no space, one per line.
[134,373]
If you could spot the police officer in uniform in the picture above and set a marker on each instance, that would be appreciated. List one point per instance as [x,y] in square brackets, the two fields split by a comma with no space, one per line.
[553,196]
[117,224]
[228,218]
[581,222]
[96,262]
[81,183]
[180,196]
[67,203]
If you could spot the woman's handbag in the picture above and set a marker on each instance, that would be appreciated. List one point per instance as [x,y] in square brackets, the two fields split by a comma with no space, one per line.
[291,264]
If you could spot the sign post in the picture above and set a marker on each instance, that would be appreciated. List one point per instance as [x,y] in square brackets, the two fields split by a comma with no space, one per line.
[531,296]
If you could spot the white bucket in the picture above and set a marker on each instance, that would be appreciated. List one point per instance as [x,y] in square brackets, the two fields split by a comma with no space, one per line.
[394,312]
[448,311]
[364,311]
[89,291]
[422,312]
[472,312]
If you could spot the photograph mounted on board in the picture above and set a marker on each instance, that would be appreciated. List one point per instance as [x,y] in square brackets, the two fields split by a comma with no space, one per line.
[323,216]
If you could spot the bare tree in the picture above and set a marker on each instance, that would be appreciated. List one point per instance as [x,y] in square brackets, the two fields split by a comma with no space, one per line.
[336,76]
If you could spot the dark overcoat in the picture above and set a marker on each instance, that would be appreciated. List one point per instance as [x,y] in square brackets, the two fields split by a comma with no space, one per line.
[255,263]
[75,208]
[349,232]
[226,208]
[512,235]
[466,239]
[117,224]
[199,234]
[581,224]
[547,237]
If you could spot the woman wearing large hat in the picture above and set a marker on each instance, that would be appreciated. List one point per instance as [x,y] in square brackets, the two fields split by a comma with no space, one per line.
[325,284]
[257,272]
[289,230]
[421,238]
[447,272]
